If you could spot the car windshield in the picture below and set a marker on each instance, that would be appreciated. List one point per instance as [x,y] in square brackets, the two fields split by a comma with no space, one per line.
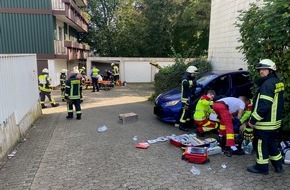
[204,79]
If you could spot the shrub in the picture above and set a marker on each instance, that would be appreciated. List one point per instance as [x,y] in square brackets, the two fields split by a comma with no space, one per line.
[170,77]
[265,34]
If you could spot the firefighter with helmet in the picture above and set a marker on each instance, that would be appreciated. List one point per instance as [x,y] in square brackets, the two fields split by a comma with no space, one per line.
[45,87]
[266,118]
[73,89]
[62,79]
[115,70]
[187,86]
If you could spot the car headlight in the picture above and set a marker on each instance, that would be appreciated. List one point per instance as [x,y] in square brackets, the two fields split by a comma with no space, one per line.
[172,103]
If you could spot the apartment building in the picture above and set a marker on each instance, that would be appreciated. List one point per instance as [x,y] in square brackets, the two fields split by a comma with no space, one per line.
[51,29]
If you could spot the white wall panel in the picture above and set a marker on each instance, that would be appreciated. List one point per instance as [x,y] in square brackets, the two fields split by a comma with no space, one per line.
[19,85]
[224,35]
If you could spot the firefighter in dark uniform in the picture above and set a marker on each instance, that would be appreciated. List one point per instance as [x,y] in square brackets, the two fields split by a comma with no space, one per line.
[266,118]
[45,89]
[72,95]
[62,79]
[188,86]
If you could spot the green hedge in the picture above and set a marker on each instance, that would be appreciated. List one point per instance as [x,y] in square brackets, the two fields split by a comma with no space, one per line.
[265,34]
[170,77]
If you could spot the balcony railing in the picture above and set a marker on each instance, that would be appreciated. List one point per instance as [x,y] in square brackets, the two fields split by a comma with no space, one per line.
[59,48]
[82,3]
[69,9]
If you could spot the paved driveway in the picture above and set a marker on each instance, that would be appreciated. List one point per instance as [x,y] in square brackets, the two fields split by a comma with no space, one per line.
[62,154]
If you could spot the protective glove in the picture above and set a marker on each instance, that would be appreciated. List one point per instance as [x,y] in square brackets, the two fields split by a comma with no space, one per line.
[248,134]
[185,106]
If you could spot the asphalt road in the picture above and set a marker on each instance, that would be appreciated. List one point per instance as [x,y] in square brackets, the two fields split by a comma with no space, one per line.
[69,154]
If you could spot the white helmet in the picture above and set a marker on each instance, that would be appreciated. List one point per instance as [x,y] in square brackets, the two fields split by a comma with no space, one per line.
[191,69]
[63,71]
[112,64]
[75,71]
[45,70]
[266,64]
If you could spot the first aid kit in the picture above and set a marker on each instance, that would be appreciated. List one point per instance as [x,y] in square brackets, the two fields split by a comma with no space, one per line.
[198,155]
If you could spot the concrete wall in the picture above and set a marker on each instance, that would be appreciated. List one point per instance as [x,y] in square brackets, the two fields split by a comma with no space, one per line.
[19,99]
[224,35]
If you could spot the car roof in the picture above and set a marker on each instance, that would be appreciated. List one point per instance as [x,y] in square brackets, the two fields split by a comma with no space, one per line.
[222,72]
[217,73]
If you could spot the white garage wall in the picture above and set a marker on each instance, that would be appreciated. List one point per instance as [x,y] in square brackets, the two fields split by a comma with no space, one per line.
[133,69]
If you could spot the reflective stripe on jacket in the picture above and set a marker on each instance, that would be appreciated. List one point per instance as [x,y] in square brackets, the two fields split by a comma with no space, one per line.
[44,83]
[115,70]
[186,89]
[203,108]
[94,72]
[269,104]
[73,88]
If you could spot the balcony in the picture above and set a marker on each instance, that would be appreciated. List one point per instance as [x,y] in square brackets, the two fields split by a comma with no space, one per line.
[69,12]
[59,48]
[76,50]
[82,3]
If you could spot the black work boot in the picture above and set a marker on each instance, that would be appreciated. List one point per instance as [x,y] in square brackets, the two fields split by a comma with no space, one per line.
[79,116]
[228,151]
[70,116]
[279,169]
[43,106]
[55,105]
[254,169]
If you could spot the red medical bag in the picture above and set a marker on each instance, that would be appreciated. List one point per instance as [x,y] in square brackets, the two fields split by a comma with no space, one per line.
[198,155]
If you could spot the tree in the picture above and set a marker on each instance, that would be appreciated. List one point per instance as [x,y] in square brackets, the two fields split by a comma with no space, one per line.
[148,28]
[102,26]
[265,33]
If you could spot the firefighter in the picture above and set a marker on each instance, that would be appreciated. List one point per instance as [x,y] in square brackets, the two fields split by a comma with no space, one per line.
[115,70]
[82,71]
[94,76]
[225,108]
[202,111]
[45,89]
[240,124]
[188,85]
[62,78]
[266,118]
[73,95]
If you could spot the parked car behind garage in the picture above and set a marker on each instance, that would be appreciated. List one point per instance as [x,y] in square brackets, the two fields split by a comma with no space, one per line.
[224,83]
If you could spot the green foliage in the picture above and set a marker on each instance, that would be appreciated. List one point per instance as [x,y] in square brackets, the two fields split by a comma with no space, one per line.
[170,77]
[148,28]
[265,34]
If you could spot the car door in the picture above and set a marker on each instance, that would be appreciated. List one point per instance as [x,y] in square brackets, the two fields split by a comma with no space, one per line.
[241,84]
[221,86]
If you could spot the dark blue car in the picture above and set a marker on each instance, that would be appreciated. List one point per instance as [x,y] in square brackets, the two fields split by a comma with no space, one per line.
[224,83]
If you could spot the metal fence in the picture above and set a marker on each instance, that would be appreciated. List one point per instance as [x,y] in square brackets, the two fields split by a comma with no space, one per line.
[18,86]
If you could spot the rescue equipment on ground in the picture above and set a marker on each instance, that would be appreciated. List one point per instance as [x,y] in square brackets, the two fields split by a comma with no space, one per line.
[285,150]
[143,145]
[198,155]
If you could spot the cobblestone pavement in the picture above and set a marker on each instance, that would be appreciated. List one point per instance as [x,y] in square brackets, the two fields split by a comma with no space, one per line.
[70,154]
